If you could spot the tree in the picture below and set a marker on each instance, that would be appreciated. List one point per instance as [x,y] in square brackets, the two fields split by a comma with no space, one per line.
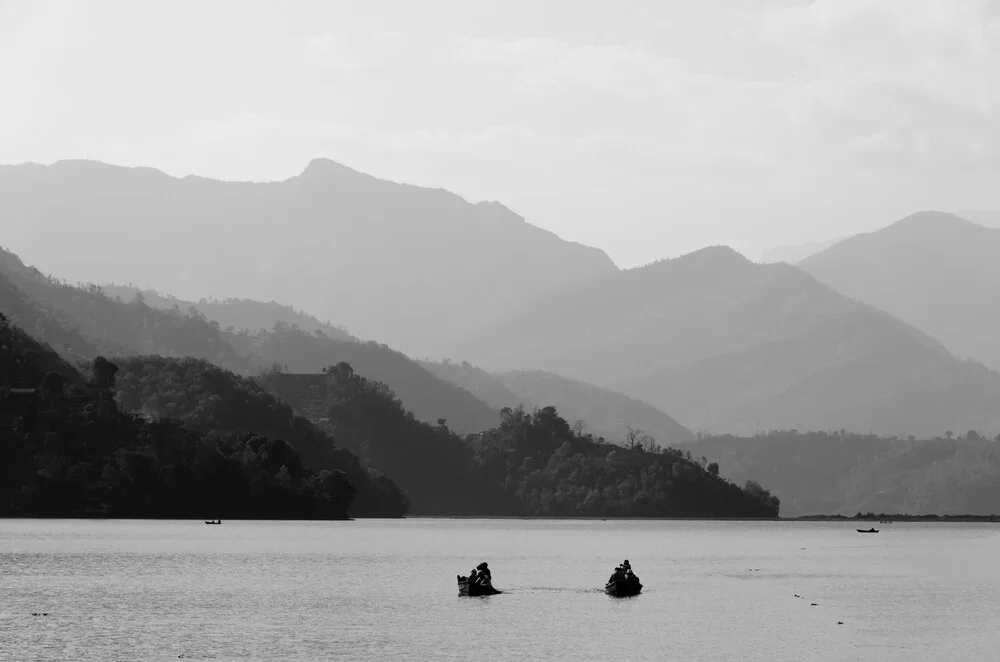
[104,372]
[713,468]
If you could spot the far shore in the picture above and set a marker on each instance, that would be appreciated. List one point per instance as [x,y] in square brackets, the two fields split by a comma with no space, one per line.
[885,519]
[878,519]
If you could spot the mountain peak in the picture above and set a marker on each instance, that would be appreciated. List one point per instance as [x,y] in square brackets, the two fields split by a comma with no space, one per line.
[720,256]
[326,168]
[931,221]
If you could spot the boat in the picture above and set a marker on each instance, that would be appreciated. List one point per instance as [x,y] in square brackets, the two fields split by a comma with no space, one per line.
[623,588]
[872,530]
[475,590]
[218,521]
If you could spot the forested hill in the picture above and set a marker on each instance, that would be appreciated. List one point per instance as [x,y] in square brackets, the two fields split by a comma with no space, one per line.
[199,441]
[841,473]
[85,321]
[538,459]
[233,314]
[530,464]
[208,399]
[71,450]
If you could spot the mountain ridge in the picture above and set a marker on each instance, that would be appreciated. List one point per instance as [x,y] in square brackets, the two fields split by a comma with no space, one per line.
[406,265]
[723,343]
[934,270]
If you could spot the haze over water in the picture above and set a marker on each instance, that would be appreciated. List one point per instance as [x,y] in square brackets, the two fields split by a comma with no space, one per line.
[385,589]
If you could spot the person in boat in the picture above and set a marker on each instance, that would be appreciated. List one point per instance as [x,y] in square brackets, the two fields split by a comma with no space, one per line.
[617,576]
[484,572]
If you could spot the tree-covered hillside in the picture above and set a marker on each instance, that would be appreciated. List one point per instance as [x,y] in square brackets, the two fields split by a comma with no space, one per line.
[208,399]
[552,471]
[233,314]
[70,450]
[111,326]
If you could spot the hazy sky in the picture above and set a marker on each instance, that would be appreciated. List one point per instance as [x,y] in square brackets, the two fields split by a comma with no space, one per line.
[648,129]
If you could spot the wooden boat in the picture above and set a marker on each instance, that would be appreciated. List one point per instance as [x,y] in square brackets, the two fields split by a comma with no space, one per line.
[475,590]
[624,588]
[872,530]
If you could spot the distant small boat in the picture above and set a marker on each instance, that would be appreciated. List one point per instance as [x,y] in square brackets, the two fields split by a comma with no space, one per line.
[873,530]
[218,521]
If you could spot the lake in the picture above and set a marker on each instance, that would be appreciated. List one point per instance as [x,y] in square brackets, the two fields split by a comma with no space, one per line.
[385,590]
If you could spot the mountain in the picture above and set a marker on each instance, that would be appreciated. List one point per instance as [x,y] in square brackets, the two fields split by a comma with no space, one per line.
[409,266]
[797,253]
[605,413]
[820,473]
[232,314]
[82,322]
[726,345]
[939,272]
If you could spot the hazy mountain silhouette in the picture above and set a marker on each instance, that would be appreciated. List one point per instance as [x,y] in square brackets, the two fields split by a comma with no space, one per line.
[83,322]
[936,271]
[405,265]
[797,253]
[606,413]
[817,472]
[233,314]
[727,345]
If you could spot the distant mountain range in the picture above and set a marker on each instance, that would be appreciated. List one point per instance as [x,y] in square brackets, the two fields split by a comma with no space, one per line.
[409,266]
[726,345]
[82,322]
[867,335]
[936,271]
[605,413]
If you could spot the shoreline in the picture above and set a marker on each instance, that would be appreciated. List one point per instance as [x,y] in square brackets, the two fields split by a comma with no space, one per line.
[880,519]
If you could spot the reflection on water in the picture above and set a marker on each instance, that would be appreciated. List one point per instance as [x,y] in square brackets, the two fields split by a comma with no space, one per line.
[373,590]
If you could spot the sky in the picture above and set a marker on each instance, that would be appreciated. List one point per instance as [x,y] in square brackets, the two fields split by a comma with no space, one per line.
[648,129]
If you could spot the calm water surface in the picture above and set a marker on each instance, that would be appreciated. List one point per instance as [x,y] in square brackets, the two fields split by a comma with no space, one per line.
[385,590]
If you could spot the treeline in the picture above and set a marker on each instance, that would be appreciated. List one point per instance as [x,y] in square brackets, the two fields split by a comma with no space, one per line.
[72,450]
[538,459]
[842,473]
